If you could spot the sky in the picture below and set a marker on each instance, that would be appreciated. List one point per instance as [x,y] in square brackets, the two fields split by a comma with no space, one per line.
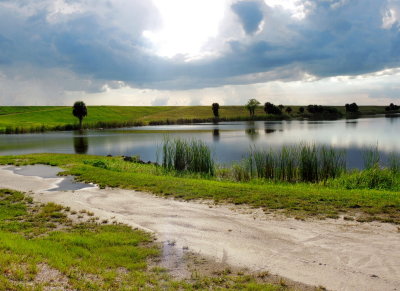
[196,52]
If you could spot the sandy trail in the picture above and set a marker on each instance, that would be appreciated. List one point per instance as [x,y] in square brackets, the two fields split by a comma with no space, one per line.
[336,254]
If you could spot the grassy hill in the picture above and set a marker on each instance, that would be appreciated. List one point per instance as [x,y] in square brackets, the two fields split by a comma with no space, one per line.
[20,119]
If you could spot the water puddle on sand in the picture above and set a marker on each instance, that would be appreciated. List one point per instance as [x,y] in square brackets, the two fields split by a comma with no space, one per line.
[172,259]
[67,183]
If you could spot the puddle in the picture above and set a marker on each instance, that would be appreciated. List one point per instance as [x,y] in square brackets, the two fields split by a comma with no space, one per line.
[67,183]
[173,259]
[37,170]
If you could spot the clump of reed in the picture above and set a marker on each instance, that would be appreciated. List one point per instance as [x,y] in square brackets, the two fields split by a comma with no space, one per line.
[371,157]
[300,163]
[375,175]
[187,155]
[394,163]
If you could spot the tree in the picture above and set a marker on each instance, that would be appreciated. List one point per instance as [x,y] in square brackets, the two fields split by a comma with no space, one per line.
[215,109]
[289,109]
[353,107]
[301,109]
[251,106]
[392,107]
[79,110]
[270,108]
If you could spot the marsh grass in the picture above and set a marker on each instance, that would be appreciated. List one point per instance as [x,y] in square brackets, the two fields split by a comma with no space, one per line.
[371,157]
[375,174]
[394,163]
[192,156]
[299,163]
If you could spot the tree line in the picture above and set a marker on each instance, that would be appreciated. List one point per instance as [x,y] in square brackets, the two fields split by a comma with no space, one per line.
[270,108]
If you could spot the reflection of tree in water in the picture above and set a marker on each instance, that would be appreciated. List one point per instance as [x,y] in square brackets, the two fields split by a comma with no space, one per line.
[251,130]
[351,123]
[395,117]
[252,133]
[216,134]
[269,130]
[81,144]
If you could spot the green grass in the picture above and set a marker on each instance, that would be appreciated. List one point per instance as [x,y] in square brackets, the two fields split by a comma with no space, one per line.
[87,256]
[294,199]
[21,119]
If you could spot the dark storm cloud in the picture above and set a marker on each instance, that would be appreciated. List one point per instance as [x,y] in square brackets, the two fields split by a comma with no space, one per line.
[105,43]
[250,15]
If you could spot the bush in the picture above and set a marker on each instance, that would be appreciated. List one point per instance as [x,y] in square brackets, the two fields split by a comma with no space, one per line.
[270,108]
[352,108]
[98,164]
[392,107]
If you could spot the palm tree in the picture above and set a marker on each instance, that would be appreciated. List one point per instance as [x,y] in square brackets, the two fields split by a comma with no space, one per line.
[251,106]
[79,110]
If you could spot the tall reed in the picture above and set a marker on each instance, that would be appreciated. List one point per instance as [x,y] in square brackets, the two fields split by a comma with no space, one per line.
[187,155]
[301,163]
[308,163]
[371,157]
[394,163]
[332,162]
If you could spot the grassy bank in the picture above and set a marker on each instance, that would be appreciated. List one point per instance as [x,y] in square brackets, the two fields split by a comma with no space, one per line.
[41,248]
[24,119]
[300,200]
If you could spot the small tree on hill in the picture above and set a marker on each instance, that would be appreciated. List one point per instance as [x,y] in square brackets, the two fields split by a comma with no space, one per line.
[288,109]
[251,106]
[301,109]
[215,109]
[79,110]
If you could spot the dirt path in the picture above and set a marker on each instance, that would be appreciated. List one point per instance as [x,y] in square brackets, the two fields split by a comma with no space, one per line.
[336,254]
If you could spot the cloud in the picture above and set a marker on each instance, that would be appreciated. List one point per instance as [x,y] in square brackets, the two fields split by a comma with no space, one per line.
[59,46]
[250,15]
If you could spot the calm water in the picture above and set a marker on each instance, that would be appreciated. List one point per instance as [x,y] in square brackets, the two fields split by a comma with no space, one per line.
[229,140]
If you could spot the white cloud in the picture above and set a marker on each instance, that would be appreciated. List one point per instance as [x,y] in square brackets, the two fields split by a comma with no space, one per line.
[187,25]
[391,16]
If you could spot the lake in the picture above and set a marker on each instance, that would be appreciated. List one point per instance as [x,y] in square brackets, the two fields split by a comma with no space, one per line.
[229,141]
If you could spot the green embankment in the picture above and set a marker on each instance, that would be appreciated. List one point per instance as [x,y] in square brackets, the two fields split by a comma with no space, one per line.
[42,249]
[20,119]
[299,200]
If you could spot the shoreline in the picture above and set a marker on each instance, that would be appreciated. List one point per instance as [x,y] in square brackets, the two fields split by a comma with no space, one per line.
[155,121]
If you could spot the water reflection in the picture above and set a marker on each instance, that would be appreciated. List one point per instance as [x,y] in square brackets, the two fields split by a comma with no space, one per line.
[351,123]
[251,130]
[215,134]
[229,141]
[81,144]
[393,118]
[269,130]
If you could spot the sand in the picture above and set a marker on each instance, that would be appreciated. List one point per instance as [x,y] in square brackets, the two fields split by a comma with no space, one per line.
[336,254]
